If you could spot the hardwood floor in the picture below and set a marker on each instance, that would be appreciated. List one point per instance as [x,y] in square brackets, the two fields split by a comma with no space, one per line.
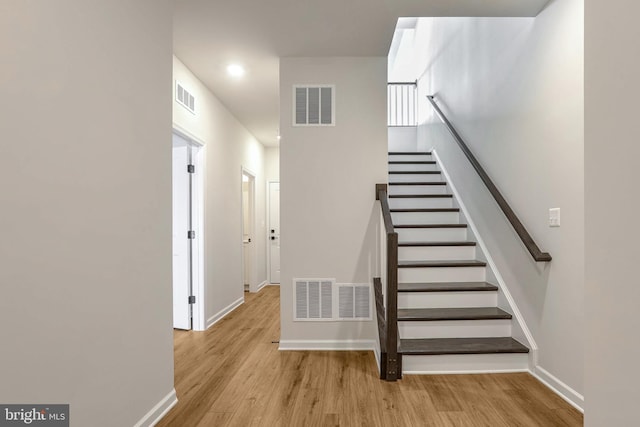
[234,375]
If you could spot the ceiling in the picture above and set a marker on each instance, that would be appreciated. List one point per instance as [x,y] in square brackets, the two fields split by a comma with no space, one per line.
[208,35]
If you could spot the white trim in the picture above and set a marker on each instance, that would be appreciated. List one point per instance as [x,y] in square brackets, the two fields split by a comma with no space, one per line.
[199,288]
[376,354]
[252,220]
[568,394]
[533,346]
[261,285]
[156,413]
[327,345]
[228,309]
[198,278]
[467,372]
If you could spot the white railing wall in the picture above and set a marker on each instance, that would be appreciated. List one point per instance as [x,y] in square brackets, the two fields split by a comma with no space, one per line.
[402,104]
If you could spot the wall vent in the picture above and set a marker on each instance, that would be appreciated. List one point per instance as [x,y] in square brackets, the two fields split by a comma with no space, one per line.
[326,300]
[314,105]
[313,299]
[185,98]
[354,302]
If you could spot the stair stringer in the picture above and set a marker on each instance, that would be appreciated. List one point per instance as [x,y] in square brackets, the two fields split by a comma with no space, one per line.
[519,328]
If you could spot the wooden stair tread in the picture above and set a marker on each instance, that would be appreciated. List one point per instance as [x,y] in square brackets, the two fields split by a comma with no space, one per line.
[426,210]
[412,162]
[468,313]
[410,153]
[420,196]
[435,346]
[422,244]
[415,172]
[447,263]
[447,287]
[430,226]
[419,183]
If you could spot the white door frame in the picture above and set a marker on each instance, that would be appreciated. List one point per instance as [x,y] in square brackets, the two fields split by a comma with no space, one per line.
[252,221]
[268,228]
[197,218]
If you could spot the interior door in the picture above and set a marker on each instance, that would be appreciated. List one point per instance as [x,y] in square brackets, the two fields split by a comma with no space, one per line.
[274,232]
[246,228]
[181,242]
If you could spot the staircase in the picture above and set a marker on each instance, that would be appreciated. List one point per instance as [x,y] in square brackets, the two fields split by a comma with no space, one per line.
[448,319]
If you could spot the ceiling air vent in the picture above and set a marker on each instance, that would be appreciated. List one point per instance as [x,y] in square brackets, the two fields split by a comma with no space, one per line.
[185,98]
[314,105]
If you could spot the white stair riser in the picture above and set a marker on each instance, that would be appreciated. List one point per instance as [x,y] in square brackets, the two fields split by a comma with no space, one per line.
[413,167]
[456,329]
[413,177]
[400,218]
[410,157]
[459,363]
[421,203]
[418,189]
[441,274]
[435,253]
[431,234]
[447,299]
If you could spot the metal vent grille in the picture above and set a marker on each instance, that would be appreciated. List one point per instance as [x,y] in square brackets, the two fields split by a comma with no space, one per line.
[315,300]
[314,105]
[185,98]
[354,302]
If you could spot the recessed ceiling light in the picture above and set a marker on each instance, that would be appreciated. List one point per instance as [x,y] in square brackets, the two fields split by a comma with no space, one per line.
[235,70]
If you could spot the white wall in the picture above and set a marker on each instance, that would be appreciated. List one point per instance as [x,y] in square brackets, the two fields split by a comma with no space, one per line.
[228,148]
[329,218]
[514,90]
[612,127]
[403,138]
[272,163]
[85,190]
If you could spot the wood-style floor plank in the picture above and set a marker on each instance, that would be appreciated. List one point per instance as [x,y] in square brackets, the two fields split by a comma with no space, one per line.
[233,375]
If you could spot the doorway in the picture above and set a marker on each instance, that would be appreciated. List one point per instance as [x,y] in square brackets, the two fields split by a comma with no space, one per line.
[248,220]
[274,233]
[187,231]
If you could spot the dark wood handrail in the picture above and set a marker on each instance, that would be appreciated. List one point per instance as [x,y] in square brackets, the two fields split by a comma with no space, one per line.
[381,189]
[517,225]
[390,362]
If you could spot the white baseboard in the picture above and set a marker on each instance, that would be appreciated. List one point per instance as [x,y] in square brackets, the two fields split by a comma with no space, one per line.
[160,410]
[377,355]
[261,285]
[228,309]
[571,396]
[327,345]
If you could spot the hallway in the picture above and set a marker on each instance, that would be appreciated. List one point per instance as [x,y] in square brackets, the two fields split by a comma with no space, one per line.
[234,375]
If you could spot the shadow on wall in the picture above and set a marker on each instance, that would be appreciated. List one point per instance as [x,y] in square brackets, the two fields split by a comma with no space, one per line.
[526,279]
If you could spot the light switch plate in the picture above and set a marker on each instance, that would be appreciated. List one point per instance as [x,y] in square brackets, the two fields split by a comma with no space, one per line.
[554,217]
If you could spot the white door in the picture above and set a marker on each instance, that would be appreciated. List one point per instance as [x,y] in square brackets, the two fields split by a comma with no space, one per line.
[274,232]
[247,232]
[181,243]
